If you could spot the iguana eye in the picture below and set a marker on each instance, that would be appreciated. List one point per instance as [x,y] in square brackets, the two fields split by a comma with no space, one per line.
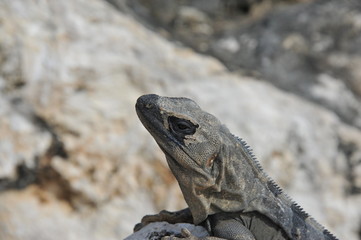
[182,126]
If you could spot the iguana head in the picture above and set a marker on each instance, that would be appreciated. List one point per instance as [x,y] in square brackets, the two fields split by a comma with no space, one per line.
[192,141]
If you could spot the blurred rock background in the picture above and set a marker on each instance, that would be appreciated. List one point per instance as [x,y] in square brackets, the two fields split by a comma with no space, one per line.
[75,163]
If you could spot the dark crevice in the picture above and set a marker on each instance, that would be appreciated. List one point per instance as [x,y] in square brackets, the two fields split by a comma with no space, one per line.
[25,177]
[349,149]
[160,234]
[19,84]
[11,72]
[238,7]
[50,180]
[43,174]
[56,148]
[42,123]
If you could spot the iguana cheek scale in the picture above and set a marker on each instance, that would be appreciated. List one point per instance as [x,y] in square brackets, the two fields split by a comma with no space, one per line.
[221,181]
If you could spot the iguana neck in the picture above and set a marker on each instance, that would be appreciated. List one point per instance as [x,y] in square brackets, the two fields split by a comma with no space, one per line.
[246,188]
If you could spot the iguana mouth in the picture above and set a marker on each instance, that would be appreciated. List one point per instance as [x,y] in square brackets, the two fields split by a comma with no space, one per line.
[149,114]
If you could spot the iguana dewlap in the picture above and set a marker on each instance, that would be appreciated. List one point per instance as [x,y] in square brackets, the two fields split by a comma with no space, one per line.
[223,184]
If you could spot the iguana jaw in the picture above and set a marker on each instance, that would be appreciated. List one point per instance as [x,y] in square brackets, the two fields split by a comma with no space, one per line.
[147,114]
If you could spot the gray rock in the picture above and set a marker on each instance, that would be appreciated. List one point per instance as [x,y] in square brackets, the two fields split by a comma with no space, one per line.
[155,231]
[310,49]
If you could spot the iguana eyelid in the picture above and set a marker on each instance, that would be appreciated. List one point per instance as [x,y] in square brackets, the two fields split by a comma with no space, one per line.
[181,126]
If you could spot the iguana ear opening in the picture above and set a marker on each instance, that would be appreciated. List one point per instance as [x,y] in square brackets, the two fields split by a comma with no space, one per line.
[210,161]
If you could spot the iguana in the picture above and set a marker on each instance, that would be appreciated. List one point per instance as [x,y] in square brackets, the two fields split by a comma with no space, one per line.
[223,184]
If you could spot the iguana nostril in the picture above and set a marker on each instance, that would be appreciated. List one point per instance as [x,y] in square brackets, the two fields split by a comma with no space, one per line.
[147,101]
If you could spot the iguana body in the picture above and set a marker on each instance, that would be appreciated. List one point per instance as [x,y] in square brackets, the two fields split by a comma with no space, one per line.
[224,186]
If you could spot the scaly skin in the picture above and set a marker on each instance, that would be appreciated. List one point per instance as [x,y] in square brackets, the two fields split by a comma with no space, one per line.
[223,184]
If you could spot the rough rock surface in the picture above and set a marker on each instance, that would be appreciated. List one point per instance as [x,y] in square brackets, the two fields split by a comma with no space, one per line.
[155,231]
[310,48]
[75,163]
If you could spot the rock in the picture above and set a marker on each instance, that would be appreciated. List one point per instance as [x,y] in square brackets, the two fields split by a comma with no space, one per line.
[75,157]
[192,26]
[155,231]
[310,49]
[68,124]
[22,137]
